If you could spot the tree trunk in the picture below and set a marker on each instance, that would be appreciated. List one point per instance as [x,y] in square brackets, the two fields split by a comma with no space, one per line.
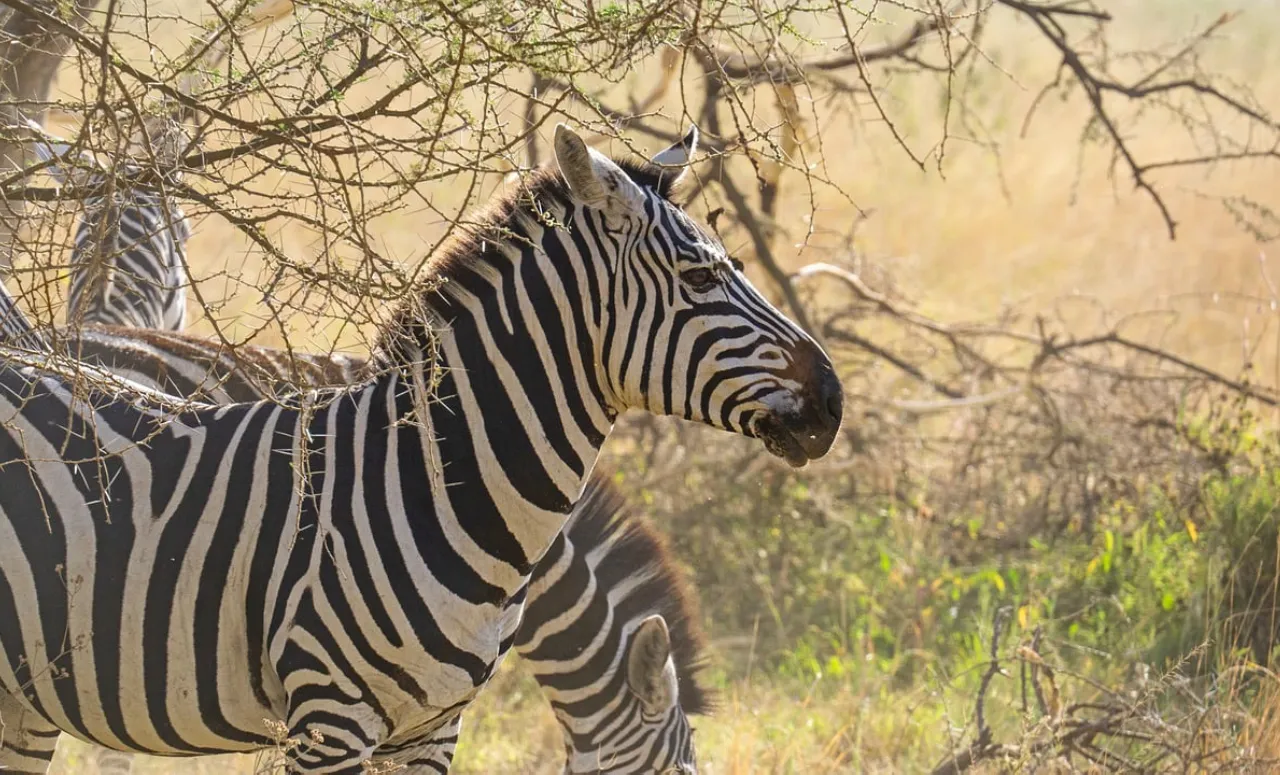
[30,55]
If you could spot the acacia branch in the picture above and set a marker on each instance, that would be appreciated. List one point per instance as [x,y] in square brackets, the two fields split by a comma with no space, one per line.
[756,70]
[1096,85]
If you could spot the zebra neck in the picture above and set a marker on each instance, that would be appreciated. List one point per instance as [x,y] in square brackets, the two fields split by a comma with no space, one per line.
[509,422]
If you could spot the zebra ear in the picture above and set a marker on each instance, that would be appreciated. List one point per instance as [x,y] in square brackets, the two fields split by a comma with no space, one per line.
[593,178]
[679,154]
[651,674]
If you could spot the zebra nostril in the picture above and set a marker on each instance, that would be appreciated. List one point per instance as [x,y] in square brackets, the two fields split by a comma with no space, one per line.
[832,398]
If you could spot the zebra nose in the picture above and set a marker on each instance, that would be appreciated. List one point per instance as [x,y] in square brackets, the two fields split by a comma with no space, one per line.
[831,400]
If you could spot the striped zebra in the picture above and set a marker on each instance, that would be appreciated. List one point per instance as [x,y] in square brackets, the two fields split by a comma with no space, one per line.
[128,256]
[610,633]
[601,532]
[605,587]
[355,562]
[15,329]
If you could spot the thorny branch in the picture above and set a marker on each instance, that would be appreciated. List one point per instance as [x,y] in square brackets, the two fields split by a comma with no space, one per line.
[1096,83]
[1134,730]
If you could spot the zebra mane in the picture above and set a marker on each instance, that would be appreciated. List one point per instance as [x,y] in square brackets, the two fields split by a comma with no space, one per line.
[502,219]
[603,517]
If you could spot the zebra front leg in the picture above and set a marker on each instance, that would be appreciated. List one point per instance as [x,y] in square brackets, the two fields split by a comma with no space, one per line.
[27,741]
[430,755]
[333,737]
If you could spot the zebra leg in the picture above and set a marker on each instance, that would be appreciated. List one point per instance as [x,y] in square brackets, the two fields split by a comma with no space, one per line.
[113,762]
[27,741]
[430,755]
[335,739]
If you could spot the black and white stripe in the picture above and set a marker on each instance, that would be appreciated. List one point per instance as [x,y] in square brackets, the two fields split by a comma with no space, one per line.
[611,635]
[15,329]
[606,576]
[128,255]
[356,562]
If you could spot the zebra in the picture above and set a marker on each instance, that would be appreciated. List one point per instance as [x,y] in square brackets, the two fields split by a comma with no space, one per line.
[356,562]
[594,586]
[128,255]
[15,329]
[611,636]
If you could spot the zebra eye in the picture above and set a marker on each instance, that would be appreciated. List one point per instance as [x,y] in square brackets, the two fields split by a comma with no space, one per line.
[700,279]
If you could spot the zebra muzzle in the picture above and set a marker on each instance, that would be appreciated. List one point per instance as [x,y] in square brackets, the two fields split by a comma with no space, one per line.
[798,438]
[803,427]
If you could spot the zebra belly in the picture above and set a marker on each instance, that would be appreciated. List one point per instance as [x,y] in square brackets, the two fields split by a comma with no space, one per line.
[103,655]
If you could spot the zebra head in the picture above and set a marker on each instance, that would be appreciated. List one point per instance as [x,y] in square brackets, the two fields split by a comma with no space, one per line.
[649,731]
[682,330]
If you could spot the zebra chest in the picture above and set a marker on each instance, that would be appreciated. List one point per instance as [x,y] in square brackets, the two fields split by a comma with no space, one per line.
[450,690]
[414,720]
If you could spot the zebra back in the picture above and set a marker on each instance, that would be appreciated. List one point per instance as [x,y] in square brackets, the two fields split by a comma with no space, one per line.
[193,367]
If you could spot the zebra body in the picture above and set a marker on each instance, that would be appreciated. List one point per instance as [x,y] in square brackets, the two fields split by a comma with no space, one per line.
[604,578]
[356,562]
[284,554]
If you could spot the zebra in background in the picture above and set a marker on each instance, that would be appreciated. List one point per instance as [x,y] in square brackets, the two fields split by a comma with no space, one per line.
[605,593]
[15,329]
[611,635]
[129,250]
[356,562]
[128,255]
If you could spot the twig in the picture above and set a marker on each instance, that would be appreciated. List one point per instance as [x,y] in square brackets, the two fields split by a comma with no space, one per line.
[981,748]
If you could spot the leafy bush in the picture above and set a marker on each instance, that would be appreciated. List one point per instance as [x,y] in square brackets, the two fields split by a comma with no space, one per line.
[804,575]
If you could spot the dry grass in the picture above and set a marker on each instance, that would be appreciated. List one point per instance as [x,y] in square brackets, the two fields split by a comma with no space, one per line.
[757,730]
[1038,225]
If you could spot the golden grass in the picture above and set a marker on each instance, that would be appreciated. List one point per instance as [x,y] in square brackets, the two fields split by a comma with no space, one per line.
[1059,237]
